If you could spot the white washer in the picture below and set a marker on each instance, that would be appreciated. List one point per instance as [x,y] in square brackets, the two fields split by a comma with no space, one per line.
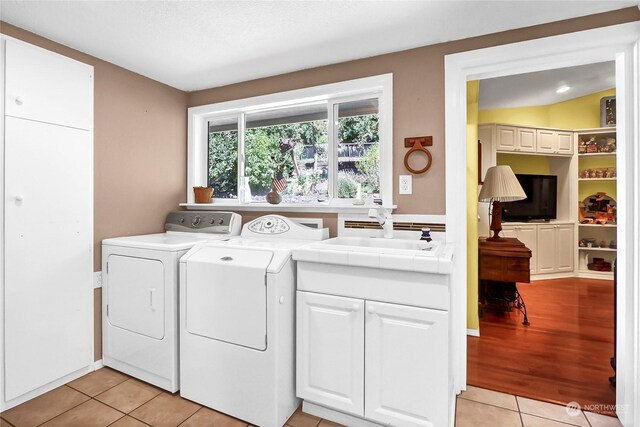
[140,294]
[237,321]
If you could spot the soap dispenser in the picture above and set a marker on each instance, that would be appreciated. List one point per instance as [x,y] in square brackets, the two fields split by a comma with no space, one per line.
[426,234]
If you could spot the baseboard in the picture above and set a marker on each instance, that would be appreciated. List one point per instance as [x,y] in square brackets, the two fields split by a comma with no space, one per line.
[563,275]
[473,332]
[98,364]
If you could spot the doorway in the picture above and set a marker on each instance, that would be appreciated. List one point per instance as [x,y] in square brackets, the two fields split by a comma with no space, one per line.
[563,353]
[619,43]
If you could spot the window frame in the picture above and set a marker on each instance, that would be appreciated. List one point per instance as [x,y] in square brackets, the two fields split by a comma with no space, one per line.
[380,86]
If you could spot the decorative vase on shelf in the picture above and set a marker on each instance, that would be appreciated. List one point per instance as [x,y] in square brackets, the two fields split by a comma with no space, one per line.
[274,197]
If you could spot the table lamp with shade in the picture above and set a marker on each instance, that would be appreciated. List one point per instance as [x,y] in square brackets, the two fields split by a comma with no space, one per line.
[500,185]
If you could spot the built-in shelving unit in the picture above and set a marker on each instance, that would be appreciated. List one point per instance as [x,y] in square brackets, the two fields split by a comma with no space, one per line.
[599,145]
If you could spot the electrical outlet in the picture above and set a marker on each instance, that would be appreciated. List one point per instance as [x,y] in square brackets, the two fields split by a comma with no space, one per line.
[405,184]
[97,279]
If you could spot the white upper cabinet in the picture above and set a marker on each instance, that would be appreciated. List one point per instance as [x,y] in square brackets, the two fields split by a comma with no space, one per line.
[58,96]
[554,142]
[524,139]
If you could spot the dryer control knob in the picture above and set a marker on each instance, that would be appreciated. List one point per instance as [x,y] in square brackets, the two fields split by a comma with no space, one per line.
[196,221]
[221,221]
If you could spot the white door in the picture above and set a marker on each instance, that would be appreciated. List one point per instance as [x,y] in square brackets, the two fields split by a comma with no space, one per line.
[330,351]
[546,248]
[527,234]
[546,140]
[526,140]
[135,295]
[565,143]
[48,253]
[505,138]
[47,87]
[565,247]
[509,231]
[407,366]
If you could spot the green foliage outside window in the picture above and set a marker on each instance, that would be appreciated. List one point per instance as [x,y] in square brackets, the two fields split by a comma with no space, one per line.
[359,134]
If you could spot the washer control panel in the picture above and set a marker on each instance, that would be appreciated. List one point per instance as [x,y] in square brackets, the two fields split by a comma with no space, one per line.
[203,222]
[269,225]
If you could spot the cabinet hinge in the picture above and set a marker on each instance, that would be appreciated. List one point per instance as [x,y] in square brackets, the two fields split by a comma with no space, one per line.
[107,310]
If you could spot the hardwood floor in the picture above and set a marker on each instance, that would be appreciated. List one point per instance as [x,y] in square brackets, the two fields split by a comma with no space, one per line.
[563,356]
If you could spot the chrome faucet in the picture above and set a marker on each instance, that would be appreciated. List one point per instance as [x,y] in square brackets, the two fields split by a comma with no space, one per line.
[384,218]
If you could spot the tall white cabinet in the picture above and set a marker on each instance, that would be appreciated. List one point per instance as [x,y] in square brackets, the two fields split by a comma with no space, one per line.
[47,213]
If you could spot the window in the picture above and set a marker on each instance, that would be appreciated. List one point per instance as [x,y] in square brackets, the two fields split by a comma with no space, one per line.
[317,146]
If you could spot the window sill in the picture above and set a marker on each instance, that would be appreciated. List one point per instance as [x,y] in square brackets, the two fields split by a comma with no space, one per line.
[282,207]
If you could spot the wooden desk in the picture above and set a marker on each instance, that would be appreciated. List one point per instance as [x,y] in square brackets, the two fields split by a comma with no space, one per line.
[500,265]
[504,261]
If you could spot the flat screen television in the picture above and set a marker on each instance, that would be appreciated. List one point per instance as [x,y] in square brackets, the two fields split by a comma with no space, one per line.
[541,201]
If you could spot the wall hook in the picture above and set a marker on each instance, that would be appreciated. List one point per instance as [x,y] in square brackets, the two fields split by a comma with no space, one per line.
[417,144]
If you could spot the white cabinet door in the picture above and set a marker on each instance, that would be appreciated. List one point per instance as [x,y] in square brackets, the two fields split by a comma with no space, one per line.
[406,365]
[48,253]
[506,137]
[47,87]
[564,247]
[526,140]
[528,235]
[330,351]
[509,231]
[546,140]
[546,248]
[565,143]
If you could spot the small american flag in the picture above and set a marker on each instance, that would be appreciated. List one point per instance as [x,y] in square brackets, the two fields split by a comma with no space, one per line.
[279,182]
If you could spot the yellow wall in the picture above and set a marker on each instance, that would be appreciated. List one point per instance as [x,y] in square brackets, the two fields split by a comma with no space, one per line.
[472,205]
[577,113]
[523,163]
[526,116]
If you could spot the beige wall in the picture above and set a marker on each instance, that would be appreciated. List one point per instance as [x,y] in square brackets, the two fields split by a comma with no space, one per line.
[140,126]
[418,86]
[140,154]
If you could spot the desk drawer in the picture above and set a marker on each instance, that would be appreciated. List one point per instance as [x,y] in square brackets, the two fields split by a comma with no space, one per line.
[504,269]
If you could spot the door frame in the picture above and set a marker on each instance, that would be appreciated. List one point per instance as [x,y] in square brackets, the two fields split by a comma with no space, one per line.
[619,43]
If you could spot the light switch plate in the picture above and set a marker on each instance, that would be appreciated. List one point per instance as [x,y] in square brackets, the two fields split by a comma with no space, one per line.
[405,184]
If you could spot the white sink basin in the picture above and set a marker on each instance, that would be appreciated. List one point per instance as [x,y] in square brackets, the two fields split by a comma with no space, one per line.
[380,245]
[375,252]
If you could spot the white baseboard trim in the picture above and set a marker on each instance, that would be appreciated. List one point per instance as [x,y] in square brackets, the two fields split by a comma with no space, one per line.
[98,364]
[473,332]
[564,275]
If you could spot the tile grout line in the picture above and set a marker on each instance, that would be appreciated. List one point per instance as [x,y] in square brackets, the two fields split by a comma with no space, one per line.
[549,419]
[519,412]
[488,404]
[185,420]
[62,413]
[6,421]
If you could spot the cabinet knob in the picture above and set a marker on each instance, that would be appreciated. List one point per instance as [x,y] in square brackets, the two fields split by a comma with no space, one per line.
[370,309]
[18,100]
[355,307]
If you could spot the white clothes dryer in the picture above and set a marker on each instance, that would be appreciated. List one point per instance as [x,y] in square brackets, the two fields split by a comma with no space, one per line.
[237,321]
[140,294]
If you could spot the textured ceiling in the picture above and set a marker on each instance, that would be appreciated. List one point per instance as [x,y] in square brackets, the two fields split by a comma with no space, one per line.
[193,45]
[531,89]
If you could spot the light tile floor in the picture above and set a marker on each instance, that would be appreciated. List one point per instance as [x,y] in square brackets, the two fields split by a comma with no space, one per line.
[109,398]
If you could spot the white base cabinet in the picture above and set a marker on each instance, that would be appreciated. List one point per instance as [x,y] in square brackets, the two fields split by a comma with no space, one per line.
[551,245]
[385,362]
